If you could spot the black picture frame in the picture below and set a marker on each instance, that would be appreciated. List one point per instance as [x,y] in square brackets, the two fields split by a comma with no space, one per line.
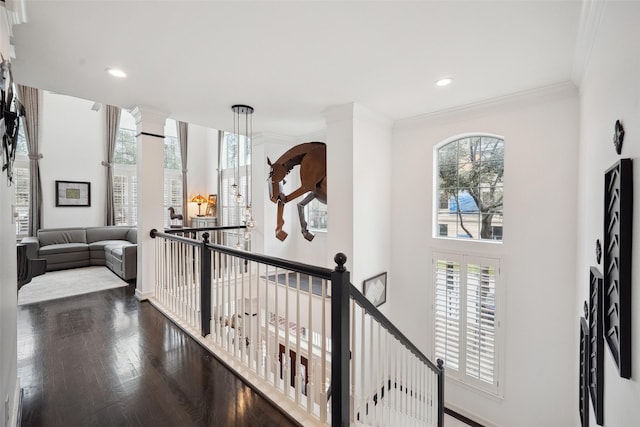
[618,220]
[596,344]
[375,289]
[583,375]
[73,194]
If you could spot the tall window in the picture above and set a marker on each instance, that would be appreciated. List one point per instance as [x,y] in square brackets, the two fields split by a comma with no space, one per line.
[316,214]
[21,183]
[469,188]
[172,176]
[124,176]
[234,152]
[466,321]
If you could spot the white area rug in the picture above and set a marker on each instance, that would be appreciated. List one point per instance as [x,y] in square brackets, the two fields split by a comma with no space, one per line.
[66,283]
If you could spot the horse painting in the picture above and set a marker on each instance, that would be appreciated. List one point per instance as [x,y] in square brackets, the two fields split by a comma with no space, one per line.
[312,159]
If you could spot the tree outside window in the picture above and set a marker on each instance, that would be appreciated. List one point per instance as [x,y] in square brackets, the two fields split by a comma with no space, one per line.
[469,202]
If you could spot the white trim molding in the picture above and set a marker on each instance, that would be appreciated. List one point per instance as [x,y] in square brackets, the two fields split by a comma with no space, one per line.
[590,19]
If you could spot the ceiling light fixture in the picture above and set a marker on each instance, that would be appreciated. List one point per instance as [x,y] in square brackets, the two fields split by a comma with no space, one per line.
[445,81]
[116,72]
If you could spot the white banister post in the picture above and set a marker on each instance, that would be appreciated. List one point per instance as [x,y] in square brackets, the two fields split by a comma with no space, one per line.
[150,193]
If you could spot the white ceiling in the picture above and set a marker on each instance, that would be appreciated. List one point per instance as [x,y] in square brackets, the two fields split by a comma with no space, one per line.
[292,60]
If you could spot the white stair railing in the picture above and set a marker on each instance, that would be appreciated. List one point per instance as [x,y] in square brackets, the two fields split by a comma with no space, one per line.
[340,363]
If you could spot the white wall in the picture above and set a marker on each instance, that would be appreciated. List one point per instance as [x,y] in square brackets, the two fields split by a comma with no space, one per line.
[610,91]
[202,164]
[9,384]
[537,255]
[72,145]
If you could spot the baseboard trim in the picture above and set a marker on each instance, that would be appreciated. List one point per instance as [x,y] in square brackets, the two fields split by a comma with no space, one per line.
[461,417]
[143,296]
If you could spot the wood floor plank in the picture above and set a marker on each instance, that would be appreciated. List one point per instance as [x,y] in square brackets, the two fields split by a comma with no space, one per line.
[105,359]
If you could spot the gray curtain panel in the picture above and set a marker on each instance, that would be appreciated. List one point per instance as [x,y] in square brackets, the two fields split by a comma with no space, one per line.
[182,128]
[29,98]
[112,125]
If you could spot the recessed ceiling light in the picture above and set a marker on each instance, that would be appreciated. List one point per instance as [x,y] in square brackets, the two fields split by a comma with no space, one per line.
[445,81]
[115,72]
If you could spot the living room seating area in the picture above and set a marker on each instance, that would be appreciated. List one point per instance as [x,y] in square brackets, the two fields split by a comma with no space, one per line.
[72,247]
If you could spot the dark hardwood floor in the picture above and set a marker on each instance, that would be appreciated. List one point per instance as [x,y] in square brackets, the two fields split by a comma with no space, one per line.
[104,359]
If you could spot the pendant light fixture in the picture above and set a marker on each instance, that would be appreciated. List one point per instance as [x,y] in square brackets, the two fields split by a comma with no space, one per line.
[243,130]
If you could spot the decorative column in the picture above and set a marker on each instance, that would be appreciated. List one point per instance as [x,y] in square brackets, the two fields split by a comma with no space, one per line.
[150,193]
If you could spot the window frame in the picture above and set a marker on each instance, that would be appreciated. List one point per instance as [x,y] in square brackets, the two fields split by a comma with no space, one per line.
[460,375]
[129,171]
[436,200]
[229,213]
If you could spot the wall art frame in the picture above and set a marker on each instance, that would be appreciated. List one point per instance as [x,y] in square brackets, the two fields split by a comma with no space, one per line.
[596,344]
[73,194]
[618,220]
[375,289]
[583,374]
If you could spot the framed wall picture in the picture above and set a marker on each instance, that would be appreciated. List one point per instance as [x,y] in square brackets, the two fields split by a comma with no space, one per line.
[375,289]
[73,193]
[596,344]
[617,260]
[583,392]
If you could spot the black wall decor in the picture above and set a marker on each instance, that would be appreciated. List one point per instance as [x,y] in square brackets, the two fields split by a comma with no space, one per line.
[618,212]
[583,396]
[618,136]
[596,344]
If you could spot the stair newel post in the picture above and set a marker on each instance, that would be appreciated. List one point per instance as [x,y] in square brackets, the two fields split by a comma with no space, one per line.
[440,363]
[205,286]
[340,377]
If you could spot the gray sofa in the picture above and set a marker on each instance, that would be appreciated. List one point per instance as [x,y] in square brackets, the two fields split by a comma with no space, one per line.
[113,246]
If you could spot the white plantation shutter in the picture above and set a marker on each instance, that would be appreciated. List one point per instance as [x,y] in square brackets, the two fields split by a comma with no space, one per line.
[227,206]
[172,192]
[120,195]
[481,322]
[465,307]
[125,195]
[21,180]
[447,310]
[133,206]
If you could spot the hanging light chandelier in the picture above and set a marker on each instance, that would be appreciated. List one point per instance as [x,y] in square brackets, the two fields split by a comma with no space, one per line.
[243,130]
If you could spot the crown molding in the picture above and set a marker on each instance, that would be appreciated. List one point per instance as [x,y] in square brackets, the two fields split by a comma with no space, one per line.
[590,20]
[562,90]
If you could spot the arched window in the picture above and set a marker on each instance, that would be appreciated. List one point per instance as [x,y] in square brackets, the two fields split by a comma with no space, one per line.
[469,188]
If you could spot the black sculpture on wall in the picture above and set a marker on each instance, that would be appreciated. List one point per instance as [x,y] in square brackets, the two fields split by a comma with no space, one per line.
[596,344]
[618,213]
[618,136]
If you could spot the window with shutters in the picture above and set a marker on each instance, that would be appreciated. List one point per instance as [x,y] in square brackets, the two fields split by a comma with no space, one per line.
[124,174]
[172,177]
[21,183]
[467,328]
[124,178]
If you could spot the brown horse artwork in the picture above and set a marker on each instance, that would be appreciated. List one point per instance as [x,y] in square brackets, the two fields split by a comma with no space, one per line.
[312,158]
